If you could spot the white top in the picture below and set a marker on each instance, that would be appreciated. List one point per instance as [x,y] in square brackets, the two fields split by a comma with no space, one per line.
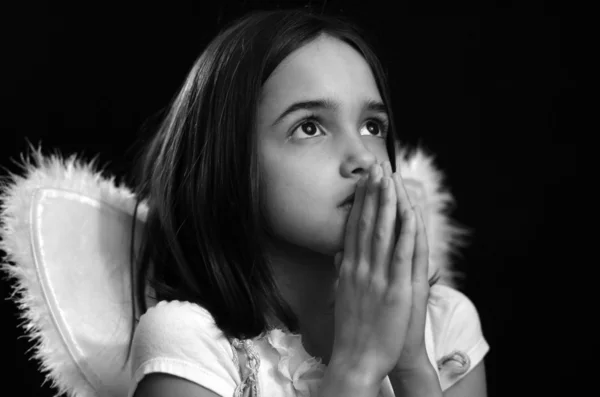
[181,338]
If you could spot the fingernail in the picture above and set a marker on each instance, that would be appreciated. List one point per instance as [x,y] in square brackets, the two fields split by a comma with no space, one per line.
[373,172]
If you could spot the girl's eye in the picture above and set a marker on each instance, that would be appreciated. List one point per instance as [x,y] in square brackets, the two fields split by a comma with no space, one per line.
[376,128]
[308,127]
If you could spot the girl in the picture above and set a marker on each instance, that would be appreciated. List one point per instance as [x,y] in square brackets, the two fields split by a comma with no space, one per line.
[274,163]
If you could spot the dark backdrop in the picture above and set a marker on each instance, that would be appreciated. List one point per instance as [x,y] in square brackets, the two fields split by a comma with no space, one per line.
[492,95]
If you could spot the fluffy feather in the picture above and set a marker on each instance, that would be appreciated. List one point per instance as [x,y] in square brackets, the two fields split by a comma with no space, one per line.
[16,195]
[444,235]
[424,181]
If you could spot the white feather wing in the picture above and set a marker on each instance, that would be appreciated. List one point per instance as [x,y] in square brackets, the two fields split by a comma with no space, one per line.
[66,232]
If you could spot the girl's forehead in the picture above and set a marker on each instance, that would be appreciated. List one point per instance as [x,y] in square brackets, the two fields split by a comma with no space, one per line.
[325,67]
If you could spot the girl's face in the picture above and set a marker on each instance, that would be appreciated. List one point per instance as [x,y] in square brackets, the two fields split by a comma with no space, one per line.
[321,124]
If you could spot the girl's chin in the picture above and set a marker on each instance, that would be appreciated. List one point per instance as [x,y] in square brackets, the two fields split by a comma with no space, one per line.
[332,246]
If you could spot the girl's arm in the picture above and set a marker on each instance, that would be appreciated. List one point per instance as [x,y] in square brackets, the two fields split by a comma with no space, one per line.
[337,382]
[342,380]
[425,383]
[160,385]
[420,382]
[472,385]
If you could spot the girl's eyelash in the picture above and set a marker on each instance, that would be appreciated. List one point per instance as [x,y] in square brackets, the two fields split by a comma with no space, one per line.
[383,122]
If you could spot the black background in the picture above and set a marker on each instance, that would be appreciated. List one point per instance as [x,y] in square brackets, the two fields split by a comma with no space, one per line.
[493,95]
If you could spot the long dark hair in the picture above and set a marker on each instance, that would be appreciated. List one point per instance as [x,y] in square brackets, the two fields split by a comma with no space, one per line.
[203,237]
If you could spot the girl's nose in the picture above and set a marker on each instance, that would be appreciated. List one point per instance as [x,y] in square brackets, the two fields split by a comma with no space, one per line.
[358,161]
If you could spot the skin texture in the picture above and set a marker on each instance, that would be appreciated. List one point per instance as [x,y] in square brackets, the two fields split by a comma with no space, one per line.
[306,177]
[309,167]
[472,385]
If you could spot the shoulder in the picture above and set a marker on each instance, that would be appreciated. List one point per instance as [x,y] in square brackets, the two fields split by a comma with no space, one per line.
[175,314]
[459,343]
[182,339]
[180,311]
[447,305]
[168,326]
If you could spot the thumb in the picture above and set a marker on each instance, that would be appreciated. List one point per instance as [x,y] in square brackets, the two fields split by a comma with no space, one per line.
[337,260]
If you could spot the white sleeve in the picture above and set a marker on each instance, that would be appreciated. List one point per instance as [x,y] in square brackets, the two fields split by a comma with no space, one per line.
[458,338]
[181,339]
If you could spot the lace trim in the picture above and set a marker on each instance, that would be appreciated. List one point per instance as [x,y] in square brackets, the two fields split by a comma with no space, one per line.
[249,386]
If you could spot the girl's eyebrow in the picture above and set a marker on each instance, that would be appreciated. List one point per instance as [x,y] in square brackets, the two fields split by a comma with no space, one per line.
[372,105]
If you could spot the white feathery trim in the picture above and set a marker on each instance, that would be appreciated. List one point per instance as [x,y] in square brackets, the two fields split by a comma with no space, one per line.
[445,236]
[16,193]
[76,175]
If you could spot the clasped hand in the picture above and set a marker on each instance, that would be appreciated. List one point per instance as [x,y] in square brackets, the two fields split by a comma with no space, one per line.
[383,287]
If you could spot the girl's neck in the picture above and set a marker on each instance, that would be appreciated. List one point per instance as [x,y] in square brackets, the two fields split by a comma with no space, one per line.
[305,278]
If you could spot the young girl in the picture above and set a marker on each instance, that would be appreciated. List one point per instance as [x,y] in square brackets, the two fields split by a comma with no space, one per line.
[280,243]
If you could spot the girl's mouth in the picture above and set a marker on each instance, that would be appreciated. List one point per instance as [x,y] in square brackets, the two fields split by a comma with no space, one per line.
[346,205]
[348,202]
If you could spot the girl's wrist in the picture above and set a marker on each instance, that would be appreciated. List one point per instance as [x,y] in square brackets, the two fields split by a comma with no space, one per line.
[340,380]
[419,363]
[418,381]
[353,373]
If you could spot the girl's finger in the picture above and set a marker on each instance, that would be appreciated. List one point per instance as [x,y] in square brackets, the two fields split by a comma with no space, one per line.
[400,271]
[420,283]
[387,169]
[421,252]
[366,221]
[403,199]
[404,203]
[383,234]
[351,237]
[337,260]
